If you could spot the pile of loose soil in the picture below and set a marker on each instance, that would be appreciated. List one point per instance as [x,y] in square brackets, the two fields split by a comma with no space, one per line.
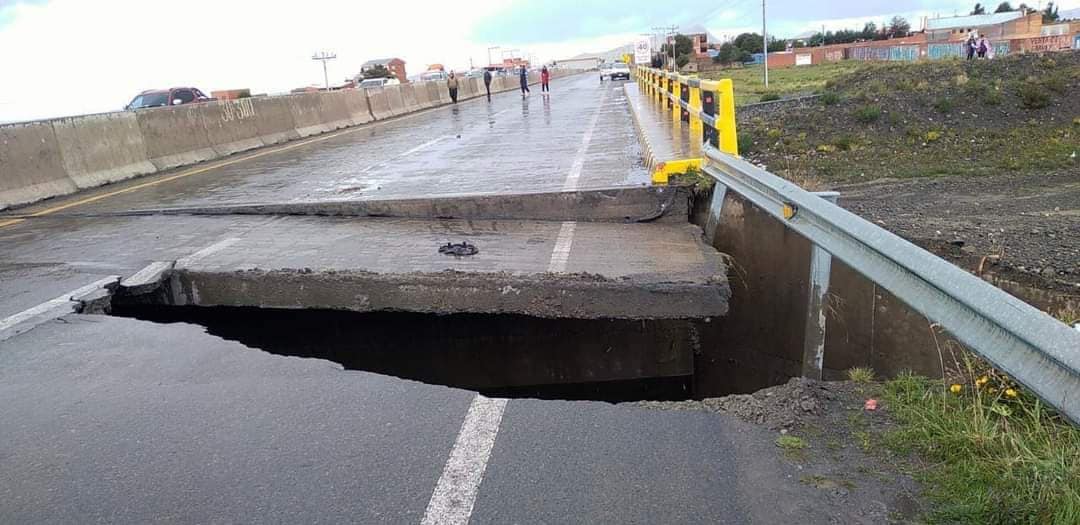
[783,407]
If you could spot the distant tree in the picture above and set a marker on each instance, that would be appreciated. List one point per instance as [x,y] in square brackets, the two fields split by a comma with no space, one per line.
[377,71]
[1050,14]
[898,27]
[1025,9]
[749,42]
[869,31]
[1004,7]
[684,46]
[979,10]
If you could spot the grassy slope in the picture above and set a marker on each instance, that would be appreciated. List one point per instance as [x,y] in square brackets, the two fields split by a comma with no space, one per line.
[925,119]
[750,81]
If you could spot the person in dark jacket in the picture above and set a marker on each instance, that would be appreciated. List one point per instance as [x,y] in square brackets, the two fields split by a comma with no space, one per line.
[524,81]
[487,83]
[545,77]
[452,84]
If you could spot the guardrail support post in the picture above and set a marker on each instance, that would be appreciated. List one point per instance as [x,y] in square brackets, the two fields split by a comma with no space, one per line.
[676,111]
[725,122]
[818,298]
[684,96]
[708,107]
[695,119]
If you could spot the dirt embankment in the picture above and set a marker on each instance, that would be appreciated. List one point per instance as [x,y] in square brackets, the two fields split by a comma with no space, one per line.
[977,161]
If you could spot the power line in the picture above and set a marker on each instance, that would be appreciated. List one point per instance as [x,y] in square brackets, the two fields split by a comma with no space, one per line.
[324,57]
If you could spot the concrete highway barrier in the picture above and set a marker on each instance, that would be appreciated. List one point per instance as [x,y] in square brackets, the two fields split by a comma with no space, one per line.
[31,167]
[316,113]
[408,96]
[379,103]
[444,92]
[103,148]
[175,136]
[397,103]
[433,94]
[356,101]
[230,126]
[423,97]
[44,159]
[274,120]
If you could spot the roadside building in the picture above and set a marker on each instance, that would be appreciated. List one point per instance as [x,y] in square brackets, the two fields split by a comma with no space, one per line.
[394,65]
[995,26]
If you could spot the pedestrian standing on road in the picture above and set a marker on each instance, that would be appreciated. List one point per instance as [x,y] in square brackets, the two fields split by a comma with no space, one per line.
[524,82]
[984,46]
[545,77]
[487,83]
[452,84]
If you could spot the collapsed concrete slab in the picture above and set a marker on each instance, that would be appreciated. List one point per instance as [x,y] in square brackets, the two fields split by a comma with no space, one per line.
[542,269]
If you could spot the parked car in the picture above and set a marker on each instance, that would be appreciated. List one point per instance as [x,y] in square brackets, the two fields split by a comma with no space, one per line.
[154,98]
[615,70]
[378,83]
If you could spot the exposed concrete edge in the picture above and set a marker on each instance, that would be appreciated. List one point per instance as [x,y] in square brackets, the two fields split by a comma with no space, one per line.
[627,204]
[541,295]
[68,303]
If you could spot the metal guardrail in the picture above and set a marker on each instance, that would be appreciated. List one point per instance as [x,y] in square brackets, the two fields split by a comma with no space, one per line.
[1040,352]
[707,105]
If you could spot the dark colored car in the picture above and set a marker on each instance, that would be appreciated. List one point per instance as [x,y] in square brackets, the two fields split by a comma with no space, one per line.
[156,98]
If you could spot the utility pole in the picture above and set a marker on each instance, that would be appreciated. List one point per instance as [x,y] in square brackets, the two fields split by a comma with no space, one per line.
[670,31]
[823,37]
[324,57]
[765,40]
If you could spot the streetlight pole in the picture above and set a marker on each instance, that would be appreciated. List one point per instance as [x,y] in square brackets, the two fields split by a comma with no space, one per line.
[324,57]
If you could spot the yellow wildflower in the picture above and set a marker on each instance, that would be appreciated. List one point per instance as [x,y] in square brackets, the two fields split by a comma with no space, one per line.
[982,381]
[956,389]
[1011,392]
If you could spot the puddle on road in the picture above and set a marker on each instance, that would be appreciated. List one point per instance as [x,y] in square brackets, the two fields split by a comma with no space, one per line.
[513,356]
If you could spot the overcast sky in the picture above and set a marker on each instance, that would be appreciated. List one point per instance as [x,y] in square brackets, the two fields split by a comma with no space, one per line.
[66,57]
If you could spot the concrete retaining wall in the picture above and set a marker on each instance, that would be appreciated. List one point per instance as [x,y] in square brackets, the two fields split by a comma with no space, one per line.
[99,149]
[31,167]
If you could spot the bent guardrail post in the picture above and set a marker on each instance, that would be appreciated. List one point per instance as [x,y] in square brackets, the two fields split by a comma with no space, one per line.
[814,334]
[1038,351]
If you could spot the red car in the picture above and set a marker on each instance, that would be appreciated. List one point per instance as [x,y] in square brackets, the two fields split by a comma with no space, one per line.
[155,98]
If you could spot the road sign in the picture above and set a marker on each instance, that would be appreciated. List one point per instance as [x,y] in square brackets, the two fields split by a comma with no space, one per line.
[643,51]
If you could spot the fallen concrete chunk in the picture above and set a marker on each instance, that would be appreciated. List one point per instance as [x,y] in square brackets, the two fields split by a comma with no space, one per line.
[148,279]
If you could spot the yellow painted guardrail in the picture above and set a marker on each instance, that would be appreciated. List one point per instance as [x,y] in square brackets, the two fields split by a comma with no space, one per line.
[708,106]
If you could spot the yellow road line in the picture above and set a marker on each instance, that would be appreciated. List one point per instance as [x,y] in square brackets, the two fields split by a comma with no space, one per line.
[204,169]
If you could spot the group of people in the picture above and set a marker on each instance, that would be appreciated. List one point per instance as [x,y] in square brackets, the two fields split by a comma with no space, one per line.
[545,79]
[978,46]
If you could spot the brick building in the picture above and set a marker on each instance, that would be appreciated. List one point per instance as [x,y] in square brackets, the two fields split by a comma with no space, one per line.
[394,65]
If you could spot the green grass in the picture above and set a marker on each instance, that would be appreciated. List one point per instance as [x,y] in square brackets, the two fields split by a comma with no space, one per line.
[861,374]
[993,454]
[804,80]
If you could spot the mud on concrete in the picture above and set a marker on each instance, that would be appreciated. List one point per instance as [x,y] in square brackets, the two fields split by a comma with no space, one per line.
[859,481]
